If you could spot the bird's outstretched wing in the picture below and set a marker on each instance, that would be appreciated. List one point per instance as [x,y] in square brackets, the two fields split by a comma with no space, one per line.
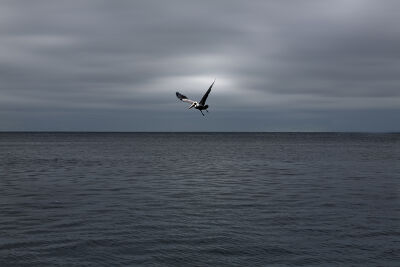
[183,98]
[203,100]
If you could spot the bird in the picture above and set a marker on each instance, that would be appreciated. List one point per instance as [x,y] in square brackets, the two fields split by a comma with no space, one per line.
[197,105]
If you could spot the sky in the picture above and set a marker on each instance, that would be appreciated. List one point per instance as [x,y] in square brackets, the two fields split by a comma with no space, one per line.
[92,65]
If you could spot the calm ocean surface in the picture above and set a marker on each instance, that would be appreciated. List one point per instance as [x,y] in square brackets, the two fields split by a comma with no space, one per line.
[199,199]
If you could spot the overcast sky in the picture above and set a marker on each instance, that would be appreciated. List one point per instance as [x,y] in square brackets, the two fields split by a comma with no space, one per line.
[280,65]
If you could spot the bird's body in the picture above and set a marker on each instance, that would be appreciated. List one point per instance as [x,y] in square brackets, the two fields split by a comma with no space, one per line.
[197,105]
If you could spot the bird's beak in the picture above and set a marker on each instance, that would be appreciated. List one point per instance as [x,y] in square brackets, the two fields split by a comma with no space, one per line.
[192,105]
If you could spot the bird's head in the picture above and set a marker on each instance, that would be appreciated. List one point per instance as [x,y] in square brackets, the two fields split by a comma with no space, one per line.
[193,105]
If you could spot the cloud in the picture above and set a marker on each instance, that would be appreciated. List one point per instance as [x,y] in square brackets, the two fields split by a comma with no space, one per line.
[124,56]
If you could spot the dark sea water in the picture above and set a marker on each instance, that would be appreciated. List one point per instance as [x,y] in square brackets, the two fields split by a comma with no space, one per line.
[205,199]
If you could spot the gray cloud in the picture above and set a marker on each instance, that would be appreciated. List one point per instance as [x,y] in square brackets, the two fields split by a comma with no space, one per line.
[96,63]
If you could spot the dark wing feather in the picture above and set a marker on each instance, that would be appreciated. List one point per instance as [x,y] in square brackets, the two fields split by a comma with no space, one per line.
[203,100]
[183,98]
[180,96]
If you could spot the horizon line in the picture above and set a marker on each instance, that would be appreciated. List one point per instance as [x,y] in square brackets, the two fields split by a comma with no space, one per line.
[76,131]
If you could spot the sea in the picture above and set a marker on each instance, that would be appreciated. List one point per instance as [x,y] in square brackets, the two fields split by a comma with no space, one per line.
[199,199]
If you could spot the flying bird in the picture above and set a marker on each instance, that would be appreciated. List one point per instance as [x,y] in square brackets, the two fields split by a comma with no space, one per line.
[197,105]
